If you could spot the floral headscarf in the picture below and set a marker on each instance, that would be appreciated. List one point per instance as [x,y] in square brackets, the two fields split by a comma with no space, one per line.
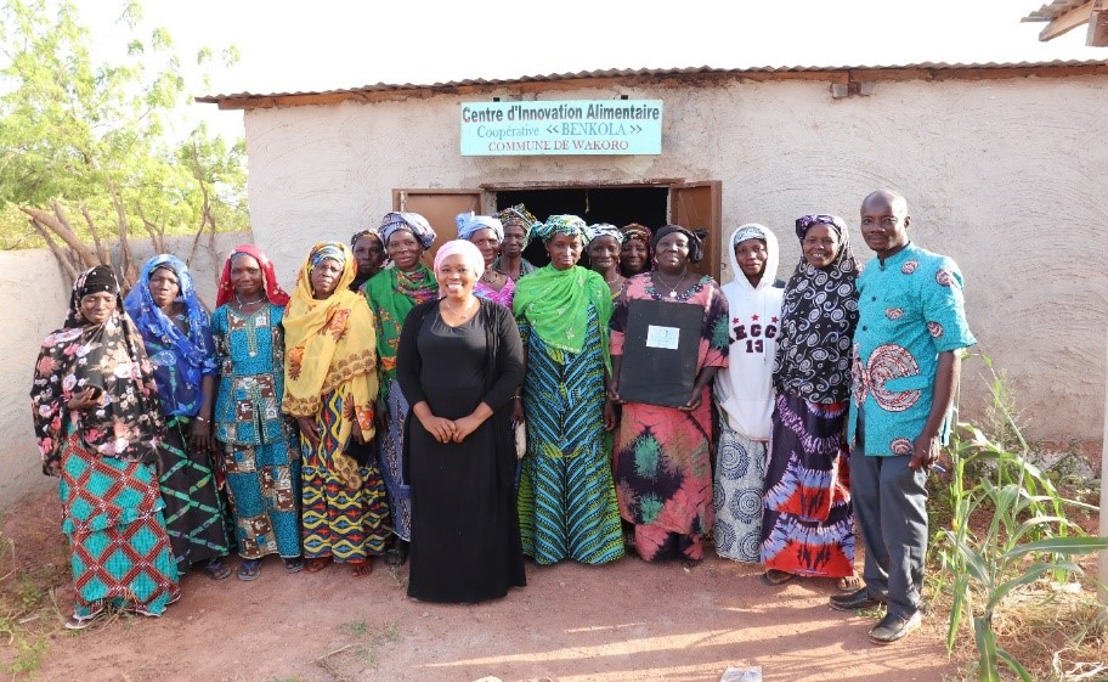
[818,315]
[127,424]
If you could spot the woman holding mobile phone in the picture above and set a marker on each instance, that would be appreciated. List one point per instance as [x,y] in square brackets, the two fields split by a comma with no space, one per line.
[98,423]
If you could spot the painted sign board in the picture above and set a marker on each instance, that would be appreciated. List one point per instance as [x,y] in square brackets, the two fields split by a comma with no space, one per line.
[571,127]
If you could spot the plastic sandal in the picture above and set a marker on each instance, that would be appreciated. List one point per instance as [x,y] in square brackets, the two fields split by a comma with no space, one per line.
[76,622]
[849,583]
[250,569]
[362,569]
[774,577]
[316,565]
[217,570]
[294,565]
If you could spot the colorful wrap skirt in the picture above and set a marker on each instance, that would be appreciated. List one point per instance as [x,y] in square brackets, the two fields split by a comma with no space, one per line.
[118,547]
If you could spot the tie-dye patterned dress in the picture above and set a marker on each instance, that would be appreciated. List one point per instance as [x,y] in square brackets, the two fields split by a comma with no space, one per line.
[663,466]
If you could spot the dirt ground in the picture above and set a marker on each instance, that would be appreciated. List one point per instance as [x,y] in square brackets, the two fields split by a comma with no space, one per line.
[572,623]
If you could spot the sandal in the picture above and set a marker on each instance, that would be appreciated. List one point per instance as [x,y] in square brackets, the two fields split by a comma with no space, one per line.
[294,565]
[317,564]
[850,583]
[76,622]
[362,569]
[397,554]
[217,570]
[774,577]
[250,569]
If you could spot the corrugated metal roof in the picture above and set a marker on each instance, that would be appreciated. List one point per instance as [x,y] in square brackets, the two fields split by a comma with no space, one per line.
[627,73]
[1052,11]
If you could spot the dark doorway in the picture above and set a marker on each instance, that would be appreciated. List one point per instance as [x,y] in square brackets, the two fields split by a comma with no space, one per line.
[616,205]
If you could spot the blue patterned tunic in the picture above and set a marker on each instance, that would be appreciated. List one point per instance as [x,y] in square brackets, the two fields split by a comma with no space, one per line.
[263,473]
[911,309]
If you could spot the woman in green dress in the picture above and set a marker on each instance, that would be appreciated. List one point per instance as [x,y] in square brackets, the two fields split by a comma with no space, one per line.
[392,293]
[567,502]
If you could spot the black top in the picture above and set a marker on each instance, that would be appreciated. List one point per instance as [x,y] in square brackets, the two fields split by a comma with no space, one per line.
[465,526]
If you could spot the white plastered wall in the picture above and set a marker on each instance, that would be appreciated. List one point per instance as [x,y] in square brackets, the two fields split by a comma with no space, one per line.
[1006,176]
[36,300]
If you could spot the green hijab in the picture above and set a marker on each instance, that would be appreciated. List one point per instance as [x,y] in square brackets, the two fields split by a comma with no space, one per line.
[391,295]
[555,304]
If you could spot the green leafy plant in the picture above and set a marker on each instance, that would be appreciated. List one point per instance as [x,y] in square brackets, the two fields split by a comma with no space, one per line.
[94,151]
[1021,534]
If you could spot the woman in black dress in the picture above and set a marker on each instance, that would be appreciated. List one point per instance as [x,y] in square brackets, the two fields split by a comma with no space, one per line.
[460,366]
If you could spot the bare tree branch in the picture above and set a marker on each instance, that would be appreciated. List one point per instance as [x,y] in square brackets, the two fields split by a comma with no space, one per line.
[105,257]
[64,262]
[206,217]
[127,269]
[64,233]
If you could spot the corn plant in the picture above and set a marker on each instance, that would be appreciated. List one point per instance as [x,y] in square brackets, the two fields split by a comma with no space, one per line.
[1027,537]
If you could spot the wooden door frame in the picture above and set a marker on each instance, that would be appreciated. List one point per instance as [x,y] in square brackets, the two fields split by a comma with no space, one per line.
[487,192]
[713,251]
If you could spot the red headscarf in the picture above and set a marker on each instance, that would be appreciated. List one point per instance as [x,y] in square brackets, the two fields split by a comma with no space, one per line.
[273,290]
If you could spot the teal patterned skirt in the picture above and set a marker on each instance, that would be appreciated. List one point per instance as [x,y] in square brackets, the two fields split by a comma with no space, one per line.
[118,546]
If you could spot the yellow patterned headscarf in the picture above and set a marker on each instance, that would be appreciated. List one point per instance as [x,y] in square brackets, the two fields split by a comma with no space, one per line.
[330,346]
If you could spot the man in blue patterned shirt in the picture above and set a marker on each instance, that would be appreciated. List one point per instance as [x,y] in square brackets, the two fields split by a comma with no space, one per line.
[907,360]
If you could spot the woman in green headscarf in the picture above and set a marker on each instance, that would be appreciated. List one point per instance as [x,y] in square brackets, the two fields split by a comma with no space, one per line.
[567,502]
[392,293]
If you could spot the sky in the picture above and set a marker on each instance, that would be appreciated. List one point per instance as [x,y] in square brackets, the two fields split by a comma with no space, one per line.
[290,46]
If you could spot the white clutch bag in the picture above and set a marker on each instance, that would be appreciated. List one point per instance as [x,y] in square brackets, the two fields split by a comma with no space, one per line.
[521,439]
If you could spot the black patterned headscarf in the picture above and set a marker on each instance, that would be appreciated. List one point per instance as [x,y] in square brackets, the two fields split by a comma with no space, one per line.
[108,357]
[818,315]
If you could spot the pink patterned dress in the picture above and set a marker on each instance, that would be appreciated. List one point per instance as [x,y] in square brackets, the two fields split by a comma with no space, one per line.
[663,470]
[503,297]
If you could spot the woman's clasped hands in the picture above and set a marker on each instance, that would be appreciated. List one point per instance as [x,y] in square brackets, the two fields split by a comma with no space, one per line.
[447,430]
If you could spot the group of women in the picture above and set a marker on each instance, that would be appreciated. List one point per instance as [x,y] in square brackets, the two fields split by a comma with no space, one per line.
[470,411]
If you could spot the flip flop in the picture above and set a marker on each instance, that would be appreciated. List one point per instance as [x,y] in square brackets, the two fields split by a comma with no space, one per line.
[250,569]
[316,565]
[294,565]
[773,577]
[362,569]
[217,570]
[76,622]
[850,583]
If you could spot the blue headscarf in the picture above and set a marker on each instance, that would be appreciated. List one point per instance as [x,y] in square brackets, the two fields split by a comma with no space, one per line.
[329,250]
[469,222]
[412,222]
[180,358]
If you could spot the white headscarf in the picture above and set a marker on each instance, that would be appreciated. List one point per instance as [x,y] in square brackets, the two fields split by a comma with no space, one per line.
[744,391]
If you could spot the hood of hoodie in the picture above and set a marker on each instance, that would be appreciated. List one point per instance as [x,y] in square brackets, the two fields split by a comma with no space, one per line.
[773,259]
[744,391]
